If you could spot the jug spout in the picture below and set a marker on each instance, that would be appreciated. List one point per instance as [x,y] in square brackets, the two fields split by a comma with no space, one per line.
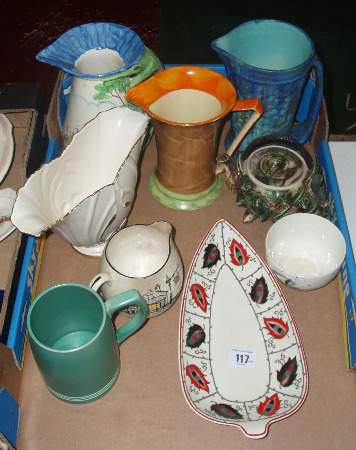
[122,44]
[163,227]
[217,46]
[185,96]
[222,46]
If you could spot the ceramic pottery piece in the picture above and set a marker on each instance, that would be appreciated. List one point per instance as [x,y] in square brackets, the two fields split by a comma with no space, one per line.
[271,60]
[305,251]
[73,341]
[241,357]
[143,257]
[86,194]
[273,177]
[105,60]
[7,200]
[187,105]
[6,146]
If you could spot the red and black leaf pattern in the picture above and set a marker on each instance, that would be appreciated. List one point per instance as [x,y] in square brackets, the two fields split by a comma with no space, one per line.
[226,411]
[286,375]
[199,296]
[276,327]
[195,336]
[259,291]
[211,256]
[270,406]
[238,254]
[197,378]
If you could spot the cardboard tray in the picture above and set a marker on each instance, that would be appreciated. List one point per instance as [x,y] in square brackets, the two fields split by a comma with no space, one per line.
[337,161]
[146,406]
[20,255]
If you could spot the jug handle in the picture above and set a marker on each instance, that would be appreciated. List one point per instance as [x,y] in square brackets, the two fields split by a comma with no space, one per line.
[123,300]
[99,280]
[302,131]
[245,105]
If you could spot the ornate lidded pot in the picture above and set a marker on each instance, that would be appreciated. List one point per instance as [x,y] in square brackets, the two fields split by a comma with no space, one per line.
[273,177]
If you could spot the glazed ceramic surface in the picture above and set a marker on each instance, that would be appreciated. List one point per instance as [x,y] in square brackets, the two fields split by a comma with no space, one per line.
[143,257]
[87,193]
[73,340]
[105,60]
[6,146]
[187,105]
[271,60]
[241,358]
[7,200]
[273,177]
[305,251]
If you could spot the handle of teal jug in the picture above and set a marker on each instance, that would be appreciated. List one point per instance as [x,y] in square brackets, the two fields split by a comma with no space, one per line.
[123,300]
[302,131]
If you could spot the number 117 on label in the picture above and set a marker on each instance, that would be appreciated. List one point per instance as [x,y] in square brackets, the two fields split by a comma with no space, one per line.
[242,358]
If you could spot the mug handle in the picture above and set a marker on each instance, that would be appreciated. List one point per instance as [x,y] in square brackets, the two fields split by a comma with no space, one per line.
[123,300]
[302,131]
[99,280]
[245,105]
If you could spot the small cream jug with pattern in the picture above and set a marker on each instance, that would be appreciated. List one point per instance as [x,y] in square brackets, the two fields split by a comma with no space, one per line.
[143,257]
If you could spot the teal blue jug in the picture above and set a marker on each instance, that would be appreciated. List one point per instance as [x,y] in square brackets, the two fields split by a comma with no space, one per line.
[272,61]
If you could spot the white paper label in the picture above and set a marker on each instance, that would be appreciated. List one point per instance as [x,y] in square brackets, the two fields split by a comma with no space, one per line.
[242,358]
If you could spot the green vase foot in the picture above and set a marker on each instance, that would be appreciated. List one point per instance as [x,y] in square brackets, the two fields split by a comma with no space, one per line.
[184,201]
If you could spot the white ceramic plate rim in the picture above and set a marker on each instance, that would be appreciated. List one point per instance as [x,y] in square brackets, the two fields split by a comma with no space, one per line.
[7,200]
[6,146]
[265,421]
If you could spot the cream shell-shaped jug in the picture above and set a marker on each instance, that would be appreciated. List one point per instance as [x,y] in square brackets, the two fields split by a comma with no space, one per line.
[86,194]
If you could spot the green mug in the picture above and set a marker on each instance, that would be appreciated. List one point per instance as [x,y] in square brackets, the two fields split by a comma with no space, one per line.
[74,342]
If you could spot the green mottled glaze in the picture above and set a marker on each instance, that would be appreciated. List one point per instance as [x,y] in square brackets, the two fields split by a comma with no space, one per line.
[272,204]
[148,64]
[184,201]
[121,82]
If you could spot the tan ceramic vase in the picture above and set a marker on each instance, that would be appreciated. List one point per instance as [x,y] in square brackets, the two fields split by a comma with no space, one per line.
[187,105]
[182,168]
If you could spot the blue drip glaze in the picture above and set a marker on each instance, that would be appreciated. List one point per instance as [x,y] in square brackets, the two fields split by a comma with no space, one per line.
[64,52]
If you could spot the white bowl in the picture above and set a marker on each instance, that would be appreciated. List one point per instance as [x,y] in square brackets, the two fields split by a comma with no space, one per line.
[305,251]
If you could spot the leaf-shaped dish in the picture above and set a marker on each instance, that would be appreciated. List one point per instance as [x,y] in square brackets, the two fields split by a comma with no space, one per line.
[241,357]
